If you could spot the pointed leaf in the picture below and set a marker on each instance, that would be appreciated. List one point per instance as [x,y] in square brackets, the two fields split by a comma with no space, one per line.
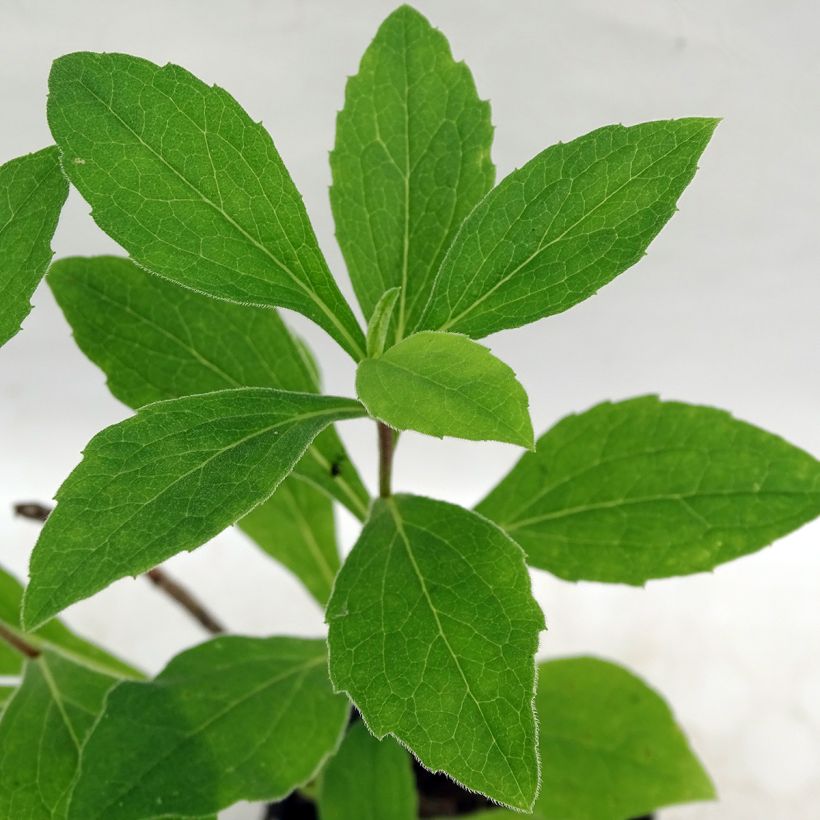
[191,187]
[32,192]
[555,231]
[647,489]
[412,158]
[167,480]
[444,384]
[432,633]
[380,322]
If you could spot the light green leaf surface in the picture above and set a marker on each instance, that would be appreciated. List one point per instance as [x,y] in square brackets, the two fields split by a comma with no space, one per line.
[444,384]
[412,158]
[32,193]
[564,225]
[432,632]
[191,187]
[368,779]
[610,746]
[167,480]
[232,719]
[296,527]
[645,489]
[379,325]
[156,341]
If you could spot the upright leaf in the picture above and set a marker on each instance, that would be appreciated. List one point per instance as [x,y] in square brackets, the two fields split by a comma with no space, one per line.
[191,187]
[412,158]
[368,779]
[167,480]
[444,384]
[32,193]
[432,633]
[157,341]
[232,719]
[379,324]
[564,225]
[645,489]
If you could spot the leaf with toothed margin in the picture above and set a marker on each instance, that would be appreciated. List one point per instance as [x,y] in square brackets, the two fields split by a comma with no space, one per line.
[432,633]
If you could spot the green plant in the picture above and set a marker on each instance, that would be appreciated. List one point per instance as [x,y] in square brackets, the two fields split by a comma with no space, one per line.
[432,628]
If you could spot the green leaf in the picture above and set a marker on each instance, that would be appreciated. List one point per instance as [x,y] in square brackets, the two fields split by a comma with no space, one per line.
[191,187]
[380,322]
[444,384]
[296,527]
[610,746]
[232,719]
[412,158]
[555,231]
[368,779]
[167,480]
[647,489]
[157,341]
[432,634]
[32,193]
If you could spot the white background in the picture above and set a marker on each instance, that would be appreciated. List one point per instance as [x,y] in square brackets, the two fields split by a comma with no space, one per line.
[724,311]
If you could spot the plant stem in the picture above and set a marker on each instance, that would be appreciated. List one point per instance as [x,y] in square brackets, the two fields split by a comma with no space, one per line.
[158,577]
[387,444]
[15,641]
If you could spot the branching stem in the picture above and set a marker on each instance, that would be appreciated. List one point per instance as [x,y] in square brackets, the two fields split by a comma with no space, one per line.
[16,642]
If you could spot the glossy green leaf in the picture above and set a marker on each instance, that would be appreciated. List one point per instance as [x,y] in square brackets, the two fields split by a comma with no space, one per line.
[412,158]
[32,193]
[444,384]
[610,746]
[432,633]
[232,719]
[564,225]
[645,489]
[296,527]
[167,480]
[368,779]
[191,187]
[156,341]
[379,325]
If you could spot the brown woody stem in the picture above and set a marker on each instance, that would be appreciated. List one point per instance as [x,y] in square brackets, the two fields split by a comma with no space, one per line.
[387,445]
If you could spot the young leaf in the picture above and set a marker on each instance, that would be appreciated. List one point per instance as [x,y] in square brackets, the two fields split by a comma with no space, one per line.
[157,341]
[296,527]
[647,489]
[32,193]
[191,187]
[412,158]
[232,719]
[380,322]
[432,633]
[167,480]
[444,384]
[368,779]
[555,231]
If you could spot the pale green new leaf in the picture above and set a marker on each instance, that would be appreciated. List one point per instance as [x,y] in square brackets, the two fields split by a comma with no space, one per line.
[432,633]
[191,187]
[232,719]
[32,193]
[645,489]
[412,158]
[379,324]
[368,779]
[445,384]
[156,341]
[167,480]
[610,746]
[564,225]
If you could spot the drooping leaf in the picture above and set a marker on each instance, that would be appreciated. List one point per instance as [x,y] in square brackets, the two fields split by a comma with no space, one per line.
[156,341]
[432,633]
[368,779]
[412,158]
[564,225]
[610,746]
[167,480]
[645,489]
[191,187]
[232,719]
[379,324]
[445,384]
[32,193]
[296,527]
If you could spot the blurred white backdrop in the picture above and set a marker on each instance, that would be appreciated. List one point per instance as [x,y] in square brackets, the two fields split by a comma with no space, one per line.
[723,311]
